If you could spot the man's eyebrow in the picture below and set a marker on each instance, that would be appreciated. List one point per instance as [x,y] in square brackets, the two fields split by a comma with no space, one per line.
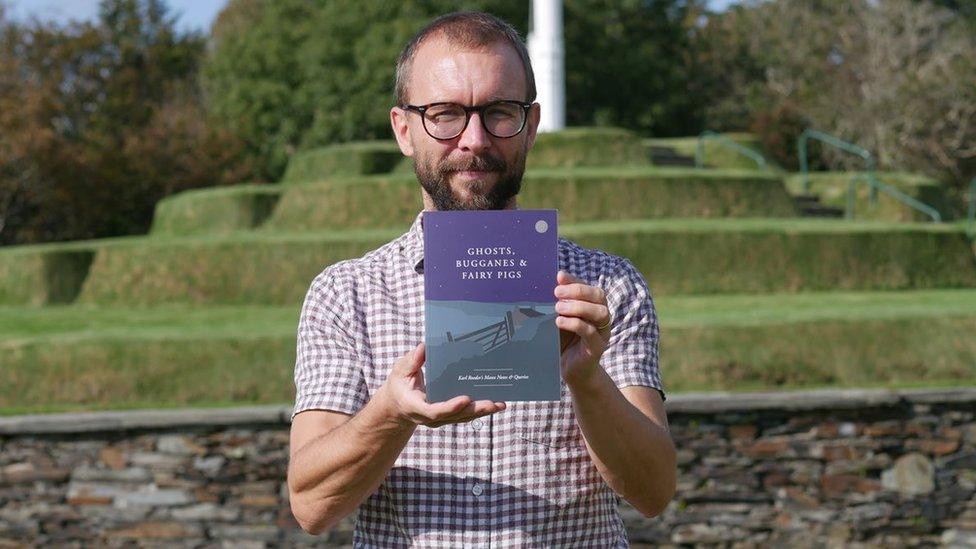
[501,97]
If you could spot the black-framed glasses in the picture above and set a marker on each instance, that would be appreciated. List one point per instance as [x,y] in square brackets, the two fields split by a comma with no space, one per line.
[448,120]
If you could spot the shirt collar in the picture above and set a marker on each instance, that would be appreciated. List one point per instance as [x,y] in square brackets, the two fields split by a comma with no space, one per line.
[414,245]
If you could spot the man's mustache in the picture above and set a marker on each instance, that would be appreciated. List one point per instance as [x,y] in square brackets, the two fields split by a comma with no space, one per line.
[475,163]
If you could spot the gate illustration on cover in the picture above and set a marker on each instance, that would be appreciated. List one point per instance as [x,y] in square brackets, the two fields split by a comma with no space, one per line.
[499,333]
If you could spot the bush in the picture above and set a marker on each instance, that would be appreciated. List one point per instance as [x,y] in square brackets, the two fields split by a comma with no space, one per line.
[98,121]
[356,158]
[685,256]
[779,129]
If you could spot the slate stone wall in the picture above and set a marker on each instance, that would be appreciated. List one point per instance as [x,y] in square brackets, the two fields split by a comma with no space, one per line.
[820,468]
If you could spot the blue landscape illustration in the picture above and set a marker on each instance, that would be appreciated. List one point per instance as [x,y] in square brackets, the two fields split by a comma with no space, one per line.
[499,351]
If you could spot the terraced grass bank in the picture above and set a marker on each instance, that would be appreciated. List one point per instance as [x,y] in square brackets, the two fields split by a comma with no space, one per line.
[690,256]
[204,310]
[677,256]
[833,190]
[84,357]
[392,200]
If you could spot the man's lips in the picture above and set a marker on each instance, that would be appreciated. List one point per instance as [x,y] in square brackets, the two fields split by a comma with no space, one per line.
[472,174]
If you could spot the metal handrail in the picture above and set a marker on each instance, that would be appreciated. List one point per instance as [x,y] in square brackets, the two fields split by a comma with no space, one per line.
[730,143]
[801,146]
[875,184]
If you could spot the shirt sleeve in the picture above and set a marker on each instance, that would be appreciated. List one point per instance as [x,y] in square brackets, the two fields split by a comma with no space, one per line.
[631,357]
[328,372]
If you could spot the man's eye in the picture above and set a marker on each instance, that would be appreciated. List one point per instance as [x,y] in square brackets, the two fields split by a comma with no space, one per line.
[444,115]
[501,113]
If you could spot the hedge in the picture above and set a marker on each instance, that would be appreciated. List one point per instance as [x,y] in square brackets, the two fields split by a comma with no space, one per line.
[571,147]
[577,147]
[43,274]
[580,194]
[245,268]
[355,158]
[690,256]
[832,187]
[217,210]
[718,155]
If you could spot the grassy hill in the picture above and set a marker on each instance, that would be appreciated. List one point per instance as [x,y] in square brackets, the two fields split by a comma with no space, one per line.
[204,309]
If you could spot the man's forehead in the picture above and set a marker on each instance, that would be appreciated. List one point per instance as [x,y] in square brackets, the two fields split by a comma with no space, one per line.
[440,62]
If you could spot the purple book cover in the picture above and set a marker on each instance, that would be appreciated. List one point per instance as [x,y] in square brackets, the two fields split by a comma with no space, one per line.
[490,312]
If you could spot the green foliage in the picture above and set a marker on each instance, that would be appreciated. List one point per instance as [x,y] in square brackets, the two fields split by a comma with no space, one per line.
[83,357]
[587,147]
[580,194]
[244,269]
[100,120]
[717,154]
[356,158]
[840,67]
[680,256]
[833,187]
[294,74]
[571,147]
[31,276]
[625,66]
[215,211]
[703,256]
[928,351]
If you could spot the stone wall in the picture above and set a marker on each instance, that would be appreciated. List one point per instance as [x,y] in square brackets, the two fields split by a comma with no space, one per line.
[816,468]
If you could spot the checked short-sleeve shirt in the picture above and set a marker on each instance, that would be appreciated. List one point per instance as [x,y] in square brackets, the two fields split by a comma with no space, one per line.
[518,478]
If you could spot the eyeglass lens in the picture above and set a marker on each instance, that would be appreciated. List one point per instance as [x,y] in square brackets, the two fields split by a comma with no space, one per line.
[500,119]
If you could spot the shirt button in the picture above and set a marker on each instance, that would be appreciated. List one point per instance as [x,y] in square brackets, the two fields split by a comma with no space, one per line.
[476,424]
[477,489]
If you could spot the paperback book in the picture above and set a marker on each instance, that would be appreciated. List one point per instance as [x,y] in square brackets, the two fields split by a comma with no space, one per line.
[490,315]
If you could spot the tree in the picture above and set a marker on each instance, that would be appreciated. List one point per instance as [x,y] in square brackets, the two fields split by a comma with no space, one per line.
[626,65]
[896,77]
[292,74]
[76,105]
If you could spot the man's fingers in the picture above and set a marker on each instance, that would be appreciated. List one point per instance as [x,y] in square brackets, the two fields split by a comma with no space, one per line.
[586,332]
[595,313]
[442,413]
[472,411]
[565,277]
[410,363]
[448,407]
[462,419]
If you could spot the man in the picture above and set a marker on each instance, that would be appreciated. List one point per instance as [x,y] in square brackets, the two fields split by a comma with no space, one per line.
[460,473]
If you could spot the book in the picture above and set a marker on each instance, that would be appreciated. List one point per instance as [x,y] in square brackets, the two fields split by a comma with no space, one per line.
[490,311]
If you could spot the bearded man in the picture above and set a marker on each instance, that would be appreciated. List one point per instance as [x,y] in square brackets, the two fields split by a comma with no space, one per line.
[463,473]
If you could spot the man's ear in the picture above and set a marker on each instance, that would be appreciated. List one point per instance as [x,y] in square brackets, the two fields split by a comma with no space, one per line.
[398,119]
[532,125]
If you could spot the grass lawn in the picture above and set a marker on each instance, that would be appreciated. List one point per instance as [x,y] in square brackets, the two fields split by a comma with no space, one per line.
[87,357]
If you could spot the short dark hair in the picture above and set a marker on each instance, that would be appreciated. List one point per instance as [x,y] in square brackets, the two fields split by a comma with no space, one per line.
[469,29]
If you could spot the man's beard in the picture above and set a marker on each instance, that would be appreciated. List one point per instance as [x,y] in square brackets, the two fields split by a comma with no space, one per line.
[436,181]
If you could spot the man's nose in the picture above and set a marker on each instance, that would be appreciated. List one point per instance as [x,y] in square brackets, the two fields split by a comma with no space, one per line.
[474,137]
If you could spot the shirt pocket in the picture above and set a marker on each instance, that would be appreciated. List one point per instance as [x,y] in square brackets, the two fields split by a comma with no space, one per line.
[549,423]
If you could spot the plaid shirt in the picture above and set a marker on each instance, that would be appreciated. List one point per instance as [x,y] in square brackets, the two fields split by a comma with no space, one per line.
[518,478]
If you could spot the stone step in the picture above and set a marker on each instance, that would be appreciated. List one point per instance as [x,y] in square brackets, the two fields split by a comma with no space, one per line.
[821,210]
[809,205]
[668,156]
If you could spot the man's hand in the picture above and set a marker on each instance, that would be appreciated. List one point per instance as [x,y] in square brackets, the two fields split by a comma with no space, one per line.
[406,394]
[581,308]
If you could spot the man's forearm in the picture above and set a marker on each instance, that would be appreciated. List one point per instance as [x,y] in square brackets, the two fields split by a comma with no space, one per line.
[331,475]
[635,455]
